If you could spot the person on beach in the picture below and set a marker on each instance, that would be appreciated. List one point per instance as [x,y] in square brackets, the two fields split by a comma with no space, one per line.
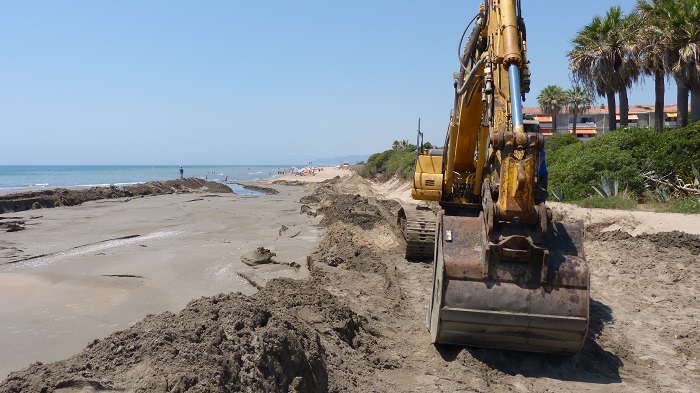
[182,172]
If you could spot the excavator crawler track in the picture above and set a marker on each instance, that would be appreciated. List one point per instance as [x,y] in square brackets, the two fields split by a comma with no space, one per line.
[418,226]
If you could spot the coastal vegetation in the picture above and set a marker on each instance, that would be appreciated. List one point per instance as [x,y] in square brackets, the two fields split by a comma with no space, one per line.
[619,169]
[646,166]
[399,161]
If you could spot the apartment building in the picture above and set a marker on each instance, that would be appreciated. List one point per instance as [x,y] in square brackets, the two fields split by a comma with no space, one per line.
[595,120]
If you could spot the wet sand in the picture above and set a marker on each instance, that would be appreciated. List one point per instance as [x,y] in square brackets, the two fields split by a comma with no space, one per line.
[78,273]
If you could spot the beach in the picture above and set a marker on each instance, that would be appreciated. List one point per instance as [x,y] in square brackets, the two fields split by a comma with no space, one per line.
[78,273]
[306,289]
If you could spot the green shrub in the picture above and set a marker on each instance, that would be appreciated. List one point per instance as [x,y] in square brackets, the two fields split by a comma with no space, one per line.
[394,162]
[620,202]
[578,167]
[625,155]
[401,164]
[554,142]
[678,151]
[688,205]
[376,163]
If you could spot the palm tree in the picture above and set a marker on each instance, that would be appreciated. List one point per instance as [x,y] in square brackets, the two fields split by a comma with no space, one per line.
[551,99]
[650,49]
[579,101]
[602,61]
[678,22]
[402,145]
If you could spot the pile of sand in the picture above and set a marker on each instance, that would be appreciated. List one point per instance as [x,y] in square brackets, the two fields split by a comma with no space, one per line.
[63,197]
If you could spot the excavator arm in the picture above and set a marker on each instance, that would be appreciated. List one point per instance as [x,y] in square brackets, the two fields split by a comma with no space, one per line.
[505,274]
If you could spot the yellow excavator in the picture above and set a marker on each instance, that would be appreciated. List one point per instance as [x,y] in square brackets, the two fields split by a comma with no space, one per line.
[505,274]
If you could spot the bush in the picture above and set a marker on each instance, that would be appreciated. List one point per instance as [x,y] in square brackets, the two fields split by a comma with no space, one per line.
[577,168]
[620,202]
[554,142]
[376,162]
[689,205]
[624,155]
[395,162]
[401,164]
[678,151]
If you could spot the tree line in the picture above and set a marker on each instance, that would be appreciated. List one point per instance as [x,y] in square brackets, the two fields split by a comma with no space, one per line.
[658,38]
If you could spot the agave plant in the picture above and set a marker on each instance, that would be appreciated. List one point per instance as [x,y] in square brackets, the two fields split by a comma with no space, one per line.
[608,187]
[696,180]
[557,193]
[663,195]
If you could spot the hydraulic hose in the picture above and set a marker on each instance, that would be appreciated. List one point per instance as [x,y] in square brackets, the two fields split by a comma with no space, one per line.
[463,88]
[471,42]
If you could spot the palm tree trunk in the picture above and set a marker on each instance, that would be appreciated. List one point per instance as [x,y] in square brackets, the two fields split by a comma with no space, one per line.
[574,127]
[554,123]
[624,108]
[695,105]
[682,103]
[659,91]
[612,122]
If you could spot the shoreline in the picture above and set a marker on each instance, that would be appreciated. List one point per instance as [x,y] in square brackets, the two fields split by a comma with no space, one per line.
[319,176]
[27,178]
[73,274]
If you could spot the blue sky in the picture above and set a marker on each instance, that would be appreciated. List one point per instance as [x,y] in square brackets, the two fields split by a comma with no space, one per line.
[246,82]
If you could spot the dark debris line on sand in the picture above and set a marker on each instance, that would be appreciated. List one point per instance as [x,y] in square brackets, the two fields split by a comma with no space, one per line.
[63,197]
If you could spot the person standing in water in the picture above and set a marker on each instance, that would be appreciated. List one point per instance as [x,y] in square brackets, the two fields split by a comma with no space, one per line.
[182,172]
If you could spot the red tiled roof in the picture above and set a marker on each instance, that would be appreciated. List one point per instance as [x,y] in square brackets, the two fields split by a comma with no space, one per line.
[603,110]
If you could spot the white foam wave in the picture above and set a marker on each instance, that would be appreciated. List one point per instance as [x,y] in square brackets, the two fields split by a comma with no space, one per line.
[94,185]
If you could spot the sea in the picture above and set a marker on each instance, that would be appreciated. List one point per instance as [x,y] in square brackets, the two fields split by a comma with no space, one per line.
[21,178]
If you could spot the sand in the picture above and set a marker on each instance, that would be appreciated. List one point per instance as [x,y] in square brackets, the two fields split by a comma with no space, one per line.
[78,273]
[326,173]
[356,322]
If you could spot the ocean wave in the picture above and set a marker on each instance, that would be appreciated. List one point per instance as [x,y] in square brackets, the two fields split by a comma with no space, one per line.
[128,184]
[93,185]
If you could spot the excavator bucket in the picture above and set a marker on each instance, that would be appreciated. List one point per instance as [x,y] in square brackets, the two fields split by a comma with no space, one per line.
[509,293]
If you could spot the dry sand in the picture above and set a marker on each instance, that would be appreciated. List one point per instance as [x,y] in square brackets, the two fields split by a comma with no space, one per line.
[326,173]
[357,323]
[82,272]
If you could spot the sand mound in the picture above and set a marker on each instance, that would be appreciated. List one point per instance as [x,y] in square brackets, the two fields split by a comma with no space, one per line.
[280,339]
[64,197]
